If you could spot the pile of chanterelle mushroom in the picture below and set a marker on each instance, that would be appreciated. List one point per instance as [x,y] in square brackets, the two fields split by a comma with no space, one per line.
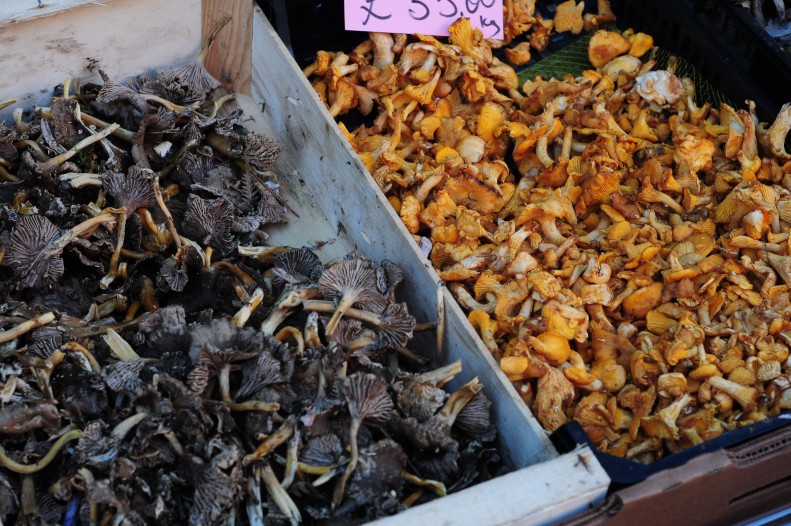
[160,364]
[622,251]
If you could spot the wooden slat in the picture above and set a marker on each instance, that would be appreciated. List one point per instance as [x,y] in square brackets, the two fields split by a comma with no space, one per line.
[229,59]
[541,494]
[325,160]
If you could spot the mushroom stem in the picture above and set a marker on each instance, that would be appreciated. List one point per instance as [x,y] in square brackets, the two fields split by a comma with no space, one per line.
[343,305]
[253,405]
[131,312]
[147,296]
[263,254]
[78,180]
[7,102]
[28,469]
[234,269]
[119,347]
[119,132]
[279,495]
[315,470]
[164,208]
[436,486]
[340,488]
[326,306]
[224,378]
[34,145]
[207,257]
[287,301]
[412,356]
[292,455]
[287,333]
[441,376]
[241,317]
[25,326]
[119,244]
[74,150]
[458,400]
[282,434]
[89,225]
[126,425]
[8,176]
[74,346]
[219,104]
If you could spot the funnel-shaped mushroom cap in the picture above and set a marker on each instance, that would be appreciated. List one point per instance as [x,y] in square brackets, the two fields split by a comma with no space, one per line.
[33,252]
[353,282]
[210,222]
[120,100]
[380,471]
[367,397]
[474,419]
[8,136]
[266,371]
[218,487]
[298,266]
[396,326]
[323,450]
[192,76]
[261,151]
[388,277]
[131,191]
[125,375]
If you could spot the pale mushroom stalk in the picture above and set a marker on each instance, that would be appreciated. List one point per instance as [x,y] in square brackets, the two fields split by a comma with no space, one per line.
[166,212]
[234,269]
[292,460]
[328,307]
[8,176]
[271,442]
[26,326]
[748,242]
[123,428]
[289,300]
[252,303]
[75,346]
[119,347]
[28,469]
[458,400]
[78,180]
[279,495]
[292,333]
[74,150]
[437,487]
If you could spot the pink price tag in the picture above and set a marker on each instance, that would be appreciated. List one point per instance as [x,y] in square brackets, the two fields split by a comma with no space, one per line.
[428,17]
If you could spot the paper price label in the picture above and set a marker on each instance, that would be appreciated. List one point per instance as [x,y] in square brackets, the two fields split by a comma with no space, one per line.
[428,17]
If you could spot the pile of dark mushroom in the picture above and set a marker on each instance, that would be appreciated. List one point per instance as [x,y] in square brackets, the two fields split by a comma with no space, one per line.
[159,363]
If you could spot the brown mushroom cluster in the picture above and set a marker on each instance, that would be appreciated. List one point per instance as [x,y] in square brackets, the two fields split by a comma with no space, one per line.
[622,251]
[160,363]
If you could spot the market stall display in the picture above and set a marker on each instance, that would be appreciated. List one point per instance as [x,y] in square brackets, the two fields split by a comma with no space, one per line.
[593,227]
[246,289]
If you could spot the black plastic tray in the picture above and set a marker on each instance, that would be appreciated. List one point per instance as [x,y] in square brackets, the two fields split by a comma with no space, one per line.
[681,27]
[624,472]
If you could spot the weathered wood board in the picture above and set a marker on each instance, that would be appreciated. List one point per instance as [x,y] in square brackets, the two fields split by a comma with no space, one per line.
[340,208]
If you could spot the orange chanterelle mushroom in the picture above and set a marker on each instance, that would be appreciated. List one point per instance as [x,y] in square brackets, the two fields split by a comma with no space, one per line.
[622,249]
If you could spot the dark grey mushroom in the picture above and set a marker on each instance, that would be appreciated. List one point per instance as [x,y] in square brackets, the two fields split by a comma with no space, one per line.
[8,136]
[353,283]
[297,266]
[379,474]
[118,100]
[474,419]
[218,485]
[132,190]
[192,76]
[63,126]
[368,399]
[34,252]
[173,275]
[210,222]
[265,371]
[125,375]
[9,500]
[388,277]
[323,450]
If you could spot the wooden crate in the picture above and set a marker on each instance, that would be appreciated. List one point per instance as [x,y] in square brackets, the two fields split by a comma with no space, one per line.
[339,204]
